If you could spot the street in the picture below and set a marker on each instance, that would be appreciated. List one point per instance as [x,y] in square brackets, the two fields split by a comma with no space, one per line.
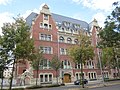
[114,87]
[77,87]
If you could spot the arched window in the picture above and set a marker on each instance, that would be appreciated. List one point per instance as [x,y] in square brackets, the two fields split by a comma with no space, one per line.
[61,39]
[76,41]
[69,40]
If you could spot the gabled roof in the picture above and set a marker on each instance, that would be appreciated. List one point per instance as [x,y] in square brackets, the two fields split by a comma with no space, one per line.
[30,18]
[59,19]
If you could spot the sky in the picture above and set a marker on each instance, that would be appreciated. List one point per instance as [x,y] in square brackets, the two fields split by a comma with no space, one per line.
[85,10]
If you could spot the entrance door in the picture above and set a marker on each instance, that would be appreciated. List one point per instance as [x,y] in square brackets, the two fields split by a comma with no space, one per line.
[67,78]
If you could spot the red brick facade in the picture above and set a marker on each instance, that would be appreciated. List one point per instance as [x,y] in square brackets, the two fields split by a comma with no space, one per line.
[68,73]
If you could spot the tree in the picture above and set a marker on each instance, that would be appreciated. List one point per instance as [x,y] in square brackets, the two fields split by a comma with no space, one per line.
[16,39]
[55,64]
[110,35]
[82,52]
[36,59]
[7,44]
[107,59]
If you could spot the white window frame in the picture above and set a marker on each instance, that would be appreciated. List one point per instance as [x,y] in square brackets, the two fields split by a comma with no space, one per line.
[47,50]
[48,80]
[46,16]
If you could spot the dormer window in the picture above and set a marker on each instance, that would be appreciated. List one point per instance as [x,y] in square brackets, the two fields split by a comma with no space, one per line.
[62,29]
[45,17]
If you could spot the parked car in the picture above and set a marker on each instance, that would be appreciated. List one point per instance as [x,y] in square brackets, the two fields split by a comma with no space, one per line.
[77,82]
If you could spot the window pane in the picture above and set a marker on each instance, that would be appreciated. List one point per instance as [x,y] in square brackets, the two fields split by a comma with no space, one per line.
[45,17]
[50,77]
[41,78]
[46,78]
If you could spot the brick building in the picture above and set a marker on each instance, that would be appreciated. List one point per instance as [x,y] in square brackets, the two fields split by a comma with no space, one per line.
[54,34]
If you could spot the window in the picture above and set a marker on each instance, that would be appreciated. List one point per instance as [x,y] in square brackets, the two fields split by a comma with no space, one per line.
[78,66]
[106,74]
[50,26]
[66,64]
[61,39]
[78,75]
[45,64]
[46,26]
[76,41]
[50,77]
[69,40]
[62,29]
[63,51]
[46,77]
[46,50]
[45,17]
[46,37]
[92,75]
[41,78]
[41,25]
[62,65]
[90,64]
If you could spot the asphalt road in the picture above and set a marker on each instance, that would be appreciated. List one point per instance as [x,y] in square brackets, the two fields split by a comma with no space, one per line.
[77,87]
[113,87]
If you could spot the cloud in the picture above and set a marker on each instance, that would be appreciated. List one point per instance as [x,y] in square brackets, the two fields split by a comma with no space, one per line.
[105,5]
[5,17]
[100,17]
[5,2]
[77,16]
[25,15]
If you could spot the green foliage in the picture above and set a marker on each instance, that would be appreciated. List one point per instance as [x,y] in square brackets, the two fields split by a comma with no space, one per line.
[55,63]
[15,43]
[36,59]
[110,38]
[83,51]
[110,35]
[107,57]
[24,44]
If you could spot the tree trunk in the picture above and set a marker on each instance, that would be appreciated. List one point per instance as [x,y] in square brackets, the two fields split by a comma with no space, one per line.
[37,75]
[116,62]
[82,74]
[2,79]
[117,66]
[56,77]
[11,78]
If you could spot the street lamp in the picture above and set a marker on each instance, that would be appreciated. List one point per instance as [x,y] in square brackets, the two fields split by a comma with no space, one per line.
[100,65]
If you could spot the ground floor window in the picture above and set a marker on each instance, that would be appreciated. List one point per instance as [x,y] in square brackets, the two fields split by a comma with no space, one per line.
[46,77]
[78,75]
[92,76]
[105,74]
[41,78]
[115,75]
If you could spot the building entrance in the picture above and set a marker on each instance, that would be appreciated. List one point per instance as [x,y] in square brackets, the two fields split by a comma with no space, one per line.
[67,78]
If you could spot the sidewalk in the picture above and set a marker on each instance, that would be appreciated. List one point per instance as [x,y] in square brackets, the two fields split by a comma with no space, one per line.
[105,84]
[95,84]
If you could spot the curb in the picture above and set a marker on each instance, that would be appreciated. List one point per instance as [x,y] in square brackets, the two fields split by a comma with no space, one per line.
[102,85]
